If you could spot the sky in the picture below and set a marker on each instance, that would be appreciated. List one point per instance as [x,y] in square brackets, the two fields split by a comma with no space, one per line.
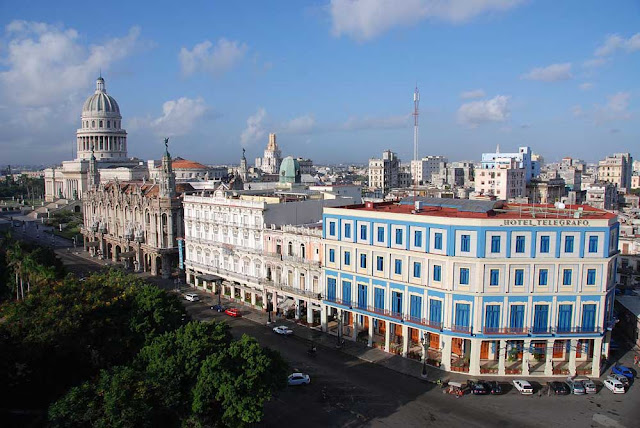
[334,79]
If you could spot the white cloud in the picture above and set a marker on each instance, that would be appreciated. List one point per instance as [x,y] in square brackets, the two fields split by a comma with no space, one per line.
[179,117]
[586,86]
[255,129]
[208,58]
[365,19]
[614,43]
[476,93]
[616,108]
[550,73]
[476,112]
[300,125]
[594,62]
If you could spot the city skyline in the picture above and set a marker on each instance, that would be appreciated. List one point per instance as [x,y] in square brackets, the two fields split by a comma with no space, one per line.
[333,79]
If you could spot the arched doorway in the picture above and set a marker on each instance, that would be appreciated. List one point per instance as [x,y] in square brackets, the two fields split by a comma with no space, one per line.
[109,251]
[118,251]
[158,266]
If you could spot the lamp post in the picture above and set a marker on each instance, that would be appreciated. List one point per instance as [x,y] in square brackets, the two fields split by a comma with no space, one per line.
[424,342]
[339,345]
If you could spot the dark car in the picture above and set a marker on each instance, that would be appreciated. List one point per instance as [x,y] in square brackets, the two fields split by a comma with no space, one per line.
[480,388]
[559,388]
[496,389]
[218,308]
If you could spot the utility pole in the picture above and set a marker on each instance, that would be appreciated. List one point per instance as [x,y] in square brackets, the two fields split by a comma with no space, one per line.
[416,102]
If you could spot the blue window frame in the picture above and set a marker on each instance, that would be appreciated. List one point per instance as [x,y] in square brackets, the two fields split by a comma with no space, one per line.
[398,236]
[520,240]
[415,307]
[346,292]
[465,243]
[417,269]
[593,244]
[347,258]
[588,317]
[543,276]
[363,261]
[437,273]
[396,302]
[380,234]
[519,277]
[568,244]
[464,276]
[564,317]
[462,314]
[495,244]
[331,289]
[380,263]
[540,318]
[544,244]
[332,228]
[591,277]
[437,241]
[398,267]
[347,230]
[362,296]
[566,276]
[332,255]
[417,238]
[363,231]
[378,298]
[516,319]
[492,318]
[435,311]
[494,277]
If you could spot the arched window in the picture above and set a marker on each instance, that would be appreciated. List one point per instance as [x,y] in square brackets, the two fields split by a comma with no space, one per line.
[93,123]
[302,251]
[100,124]
[290,249]
[108,124]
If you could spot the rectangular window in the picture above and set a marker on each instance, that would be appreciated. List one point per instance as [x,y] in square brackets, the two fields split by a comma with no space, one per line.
[332,228]
[519,277]
[495,244]
[437,273]
[415,307]
[564,318]
[346,292]
[465,243]
[380,234]
[378,298]
[396,303]
[347,258]
[347,230]
[544,244]
[398,267]
[363,261]
[516,320]
[435,311]
[568,244]
[462,314]
[332,255]
[588,318]
[494,277]
[520,244]
[464,276]
[540,318]
[492,318]
[417,238]
[593,244]
[591,277]
[380,263]
[331,289]
[566,276]
[417,268]
[543,277]
[398,236]
[362,296]
[363,231]
[437,241]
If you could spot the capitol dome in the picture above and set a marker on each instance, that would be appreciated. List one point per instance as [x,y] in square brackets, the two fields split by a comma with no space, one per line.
[100,103]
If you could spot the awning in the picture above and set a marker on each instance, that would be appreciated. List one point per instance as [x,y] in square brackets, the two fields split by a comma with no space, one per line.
[286,304]
[93,244]
[127,254]
[208,277]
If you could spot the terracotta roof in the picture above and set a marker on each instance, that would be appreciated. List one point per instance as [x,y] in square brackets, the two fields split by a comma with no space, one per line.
[179,163]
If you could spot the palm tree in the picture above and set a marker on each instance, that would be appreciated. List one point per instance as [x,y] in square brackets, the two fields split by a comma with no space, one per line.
[15,260]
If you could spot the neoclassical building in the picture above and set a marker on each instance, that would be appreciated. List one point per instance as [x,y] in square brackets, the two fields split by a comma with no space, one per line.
[137,222]
[270,162]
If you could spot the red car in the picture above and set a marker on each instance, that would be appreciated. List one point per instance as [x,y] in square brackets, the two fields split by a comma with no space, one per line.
[232,312]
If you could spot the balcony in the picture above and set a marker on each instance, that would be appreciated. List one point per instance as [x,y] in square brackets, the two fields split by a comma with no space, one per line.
[465,329]
[577,330]
[506,331]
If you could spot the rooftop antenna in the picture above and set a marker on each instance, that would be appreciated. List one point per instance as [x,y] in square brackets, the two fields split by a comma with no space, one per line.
[416,102]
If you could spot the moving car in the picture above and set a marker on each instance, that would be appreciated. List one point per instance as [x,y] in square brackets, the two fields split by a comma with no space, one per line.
[559,388]
[622,379]
[282,329]
[496,389]
[233,312]
[480,388]
[298,379]
[622,370]
[218,308]
[576,386]
[614,385]
[523,386]
[192,297]
[589,385]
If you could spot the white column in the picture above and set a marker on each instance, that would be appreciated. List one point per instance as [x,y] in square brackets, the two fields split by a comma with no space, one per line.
[387,335]
[474,357]
[502,357]
[323,318]
[597,353]
[253,299]
[370,339]
[572,356]
[548,365]
[309,313]
[405,340]
[526,357]
[445,363]
[297,315]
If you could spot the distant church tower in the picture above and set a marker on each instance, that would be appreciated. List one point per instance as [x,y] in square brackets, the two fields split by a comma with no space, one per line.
[93,176]
[270,162]
[167,176]
[243,171]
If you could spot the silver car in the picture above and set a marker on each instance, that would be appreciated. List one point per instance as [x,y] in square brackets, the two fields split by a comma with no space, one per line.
[298,379]
[589,385]
[576,386]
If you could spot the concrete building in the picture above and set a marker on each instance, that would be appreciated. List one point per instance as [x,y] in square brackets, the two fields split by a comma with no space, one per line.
[504,179]
[423,169]
[522,159]
[487,287]
[383,172]
[269,163]
[635,181]
[602,195]
[454,174]
[616,169]
[546,189]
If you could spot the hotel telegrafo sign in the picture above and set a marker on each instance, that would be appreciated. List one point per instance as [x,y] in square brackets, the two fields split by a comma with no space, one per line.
[559,222]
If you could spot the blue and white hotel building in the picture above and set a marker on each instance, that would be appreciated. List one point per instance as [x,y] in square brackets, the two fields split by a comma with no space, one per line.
[480,287]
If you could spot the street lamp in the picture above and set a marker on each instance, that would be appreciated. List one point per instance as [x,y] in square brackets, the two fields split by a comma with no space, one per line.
[424,342]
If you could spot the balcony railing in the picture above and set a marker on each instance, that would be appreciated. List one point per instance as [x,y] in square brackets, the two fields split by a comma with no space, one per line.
[461,329]
[506,330]
[578,330]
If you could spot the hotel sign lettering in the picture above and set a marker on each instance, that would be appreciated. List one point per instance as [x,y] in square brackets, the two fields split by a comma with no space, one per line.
[545,222]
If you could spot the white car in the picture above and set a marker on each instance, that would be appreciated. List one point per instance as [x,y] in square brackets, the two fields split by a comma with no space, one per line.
[589,385]
[192,297]
[523,386]
[614,385]
[284,330]
[298,379]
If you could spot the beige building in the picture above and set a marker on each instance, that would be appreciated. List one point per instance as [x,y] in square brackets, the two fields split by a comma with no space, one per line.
[616,169]
[383,172]
[507,180]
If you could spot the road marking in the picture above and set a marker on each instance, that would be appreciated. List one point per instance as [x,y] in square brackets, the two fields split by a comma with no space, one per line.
[606,421]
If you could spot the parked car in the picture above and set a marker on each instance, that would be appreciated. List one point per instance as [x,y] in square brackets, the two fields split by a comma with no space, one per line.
[589,385]
[192,297]
[218,308]
[523,386]
[298,379]
[233,312]
[622,370]
[480,388]
[576,387]
[622,379]
[614,385]
[282,329]
[559,388]
[496,389]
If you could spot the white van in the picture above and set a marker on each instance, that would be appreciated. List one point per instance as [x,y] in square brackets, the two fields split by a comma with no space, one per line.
[192,297]
[614,385]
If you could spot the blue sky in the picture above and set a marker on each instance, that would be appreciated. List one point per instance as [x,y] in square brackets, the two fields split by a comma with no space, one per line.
[334,79]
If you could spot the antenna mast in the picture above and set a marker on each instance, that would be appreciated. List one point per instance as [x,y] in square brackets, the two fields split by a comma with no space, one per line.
[416,101]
